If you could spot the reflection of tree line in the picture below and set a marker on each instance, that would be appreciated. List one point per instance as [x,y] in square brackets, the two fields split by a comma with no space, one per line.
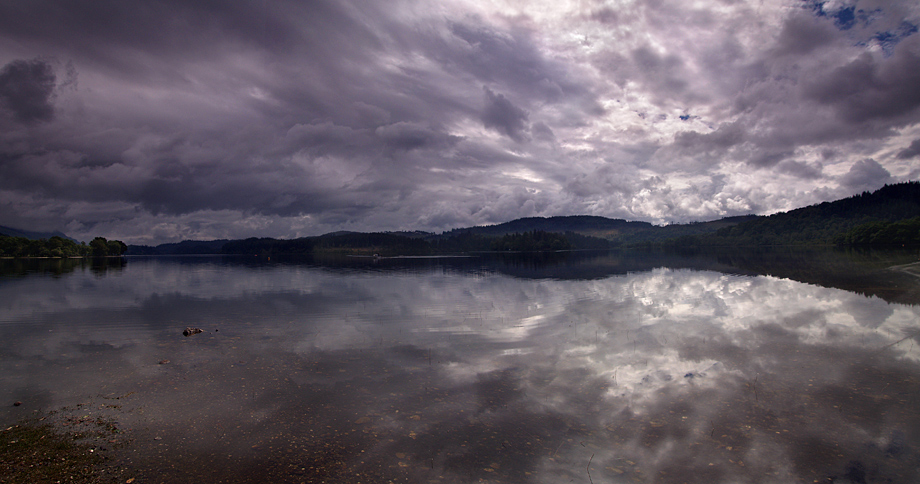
[59,247]
[60,266]
[861,271]
[856,270]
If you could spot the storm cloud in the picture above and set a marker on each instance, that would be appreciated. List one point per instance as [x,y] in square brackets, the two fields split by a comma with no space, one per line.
[289,119]
[26,89]
[911,151]
[504,116]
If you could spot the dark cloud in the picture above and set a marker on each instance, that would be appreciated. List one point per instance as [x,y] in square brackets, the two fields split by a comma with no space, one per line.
[607,180]
[506,118]
[911,151]
[542,132]
[604,15]
[769,158]
[665,72]
[510,58]
[866,175]
[800,169]
[165,26]
[803,33]
[725,136]
[410,136]
[326,138]
[873,87]
[27,90]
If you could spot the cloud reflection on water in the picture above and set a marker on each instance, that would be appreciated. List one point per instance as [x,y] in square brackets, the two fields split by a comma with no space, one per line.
[657,376]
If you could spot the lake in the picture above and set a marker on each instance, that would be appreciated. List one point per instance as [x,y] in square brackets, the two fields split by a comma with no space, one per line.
[768,367]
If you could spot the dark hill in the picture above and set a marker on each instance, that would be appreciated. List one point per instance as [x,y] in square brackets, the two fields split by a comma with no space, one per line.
[186,247]
[824,223]
[867,218]
[583,224]
[27,234]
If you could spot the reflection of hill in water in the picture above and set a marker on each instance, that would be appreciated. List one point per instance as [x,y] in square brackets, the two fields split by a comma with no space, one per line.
[22,267]
[867,272]
[507,368]
[863,272]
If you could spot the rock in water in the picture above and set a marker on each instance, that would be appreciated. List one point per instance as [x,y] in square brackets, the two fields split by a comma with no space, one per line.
[191,331]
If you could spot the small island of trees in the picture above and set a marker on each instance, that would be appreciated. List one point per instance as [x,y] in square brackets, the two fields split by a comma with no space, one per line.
[59,247]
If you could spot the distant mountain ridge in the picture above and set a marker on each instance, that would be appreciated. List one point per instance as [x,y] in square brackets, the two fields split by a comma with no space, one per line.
[590,225]
[27,234]
[867,216]
[889,215]
[186,247]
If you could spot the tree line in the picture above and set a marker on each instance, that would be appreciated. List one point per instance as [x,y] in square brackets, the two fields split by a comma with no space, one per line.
[388,244]
[900,233]
[58,247]
[533,241]
[882,217]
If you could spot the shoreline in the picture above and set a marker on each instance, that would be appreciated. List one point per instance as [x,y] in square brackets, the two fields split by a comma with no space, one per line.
[66,444]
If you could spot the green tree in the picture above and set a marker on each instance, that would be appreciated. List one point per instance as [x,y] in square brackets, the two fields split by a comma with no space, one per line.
[116,247]
[100,247]
[57,247]
[533,241]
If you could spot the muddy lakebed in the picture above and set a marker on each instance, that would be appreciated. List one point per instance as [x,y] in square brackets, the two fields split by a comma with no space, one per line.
[581,367]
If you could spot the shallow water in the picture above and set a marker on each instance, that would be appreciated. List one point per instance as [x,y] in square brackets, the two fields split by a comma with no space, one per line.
[578,368]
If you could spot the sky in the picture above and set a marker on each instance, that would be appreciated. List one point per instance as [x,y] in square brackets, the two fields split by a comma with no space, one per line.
[159,121]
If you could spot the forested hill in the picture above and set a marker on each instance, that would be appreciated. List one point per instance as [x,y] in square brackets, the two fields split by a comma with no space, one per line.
[888,216]
[31,235]
[186,247]
[883,217]
[593,226]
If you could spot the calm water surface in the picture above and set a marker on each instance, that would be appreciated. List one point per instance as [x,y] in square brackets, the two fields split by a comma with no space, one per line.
[605,368]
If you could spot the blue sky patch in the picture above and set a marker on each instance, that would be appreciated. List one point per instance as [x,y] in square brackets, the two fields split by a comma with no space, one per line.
[889,39]
[845,18]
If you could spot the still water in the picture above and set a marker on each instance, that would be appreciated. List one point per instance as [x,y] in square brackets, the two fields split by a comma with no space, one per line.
[586,368]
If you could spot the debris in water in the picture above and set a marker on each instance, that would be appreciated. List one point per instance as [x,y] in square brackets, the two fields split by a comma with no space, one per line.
[191,331]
